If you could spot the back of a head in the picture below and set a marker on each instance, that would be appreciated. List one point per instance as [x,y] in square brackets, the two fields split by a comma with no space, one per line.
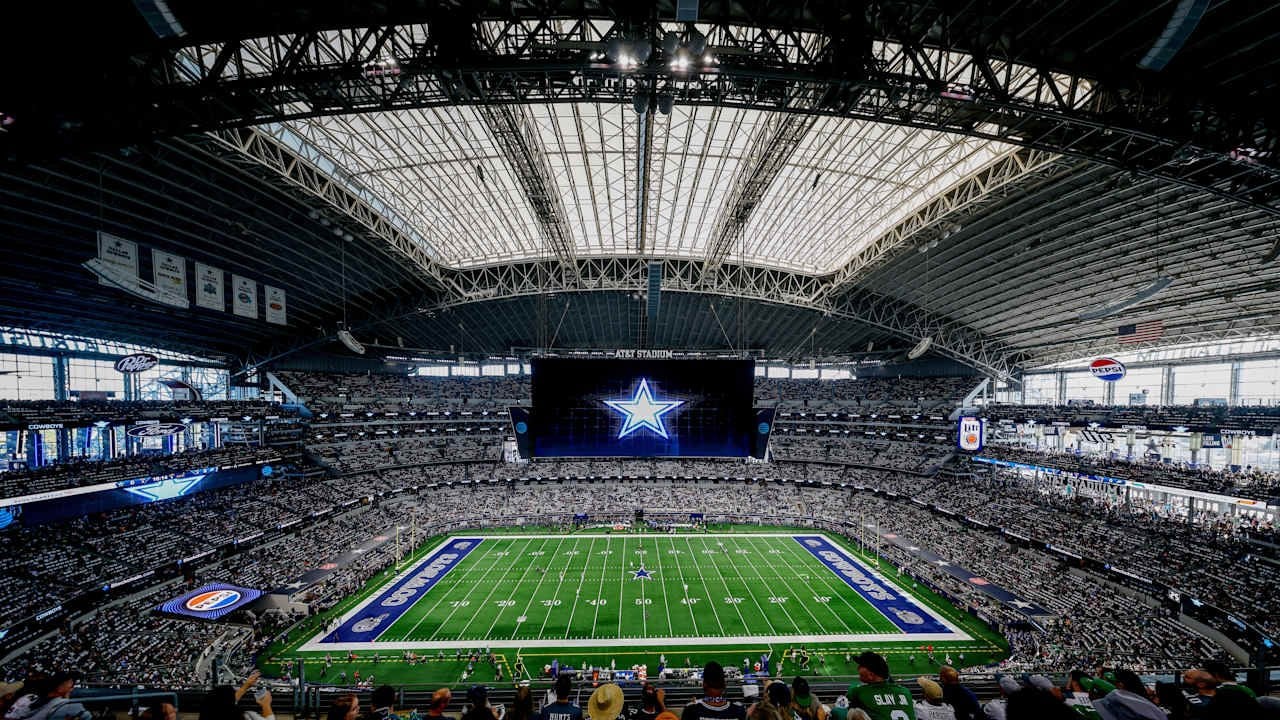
[1032,704]
[778,694]
[948,675]
[219,704]
[384,696]
[564,686]
[1130,681]
[857,714]
[713,676]
[1219,670]
[800,687]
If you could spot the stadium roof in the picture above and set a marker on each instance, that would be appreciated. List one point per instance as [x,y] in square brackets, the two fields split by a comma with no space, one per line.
[1009,185]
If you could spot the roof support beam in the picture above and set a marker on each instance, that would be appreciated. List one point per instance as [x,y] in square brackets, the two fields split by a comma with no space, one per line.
[282,164]
[630,274]
[964,199]
[772,145]
[515,134]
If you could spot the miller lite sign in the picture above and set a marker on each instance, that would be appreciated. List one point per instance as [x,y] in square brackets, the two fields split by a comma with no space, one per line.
[1107,369]
[136,363]
[970,433]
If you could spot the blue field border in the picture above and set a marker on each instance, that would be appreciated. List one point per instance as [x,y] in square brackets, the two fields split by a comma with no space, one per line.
[373,618]
[909,616]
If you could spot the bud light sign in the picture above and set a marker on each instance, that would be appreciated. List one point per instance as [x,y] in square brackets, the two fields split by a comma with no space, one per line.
[136,363]
[970,433]
[210,602]
[1107,369]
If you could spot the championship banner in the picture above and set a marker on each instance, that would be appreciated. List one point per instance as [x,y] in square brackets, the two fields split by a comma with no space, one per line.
[121,256]
[210,602]
[276,309]
[244,296]
[170,273]
[209,290]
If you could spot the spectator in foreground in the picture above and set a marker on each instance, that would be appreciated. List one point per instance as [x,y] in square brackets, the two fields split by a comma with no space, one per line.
[960,698]
[775,705]
[804,705]
[995,709]
[1034,704]
[605,703]
[382,705]
[562,709]
[344,707]
[50,700]
[522,705]
[932,707]
[1126,700]
[651,704]
[713,706]
[877,696]
[440,700]
[478,707]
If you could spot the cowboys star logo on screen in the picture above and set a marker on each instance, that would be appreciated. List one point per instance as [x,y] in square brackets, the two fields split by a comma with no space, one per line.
[643,410]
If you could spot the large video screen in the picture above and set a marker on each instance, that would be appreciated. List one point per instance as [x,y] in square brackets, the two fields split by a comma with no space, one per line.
[641,408]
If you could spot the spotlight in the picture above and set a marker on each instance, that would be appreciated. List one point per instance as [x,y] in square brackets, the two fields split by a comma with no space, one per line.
[670,42]
[640,103]
[665,103]
[697,43]
[613,50]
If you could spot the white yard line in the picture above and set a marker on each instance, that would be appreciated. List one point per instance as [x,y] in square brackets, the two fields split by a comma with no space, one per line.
[556,596]
[577,595]
[666,602]
[493,588]
[608,545]
[838,587]
[440,599]
[711,601]
[803,605]
[753,595]
[543,576]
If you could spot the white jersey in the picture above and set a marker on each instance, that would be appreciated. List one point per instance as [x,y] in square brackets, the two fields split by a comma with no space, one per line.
[925,711]
[996,709]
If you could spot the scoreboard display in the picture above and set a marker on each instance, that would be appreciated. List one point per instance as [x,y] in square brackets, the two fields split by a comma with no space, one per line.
[641,408]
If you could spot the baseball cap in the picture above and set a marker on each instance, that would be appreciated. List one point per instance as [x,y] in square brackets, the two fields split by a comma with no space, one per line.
[778,693]
[10,688]
[931,689]
[873,662]
[478,695]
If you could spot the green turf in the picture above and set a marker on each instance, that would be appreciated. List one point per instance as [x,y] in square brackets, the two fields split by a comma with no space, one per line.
[583,588]
[770,567]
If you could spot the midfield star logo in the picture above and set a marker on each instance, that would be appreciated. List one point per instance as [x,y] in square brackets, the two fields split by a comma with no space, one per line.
[643,411]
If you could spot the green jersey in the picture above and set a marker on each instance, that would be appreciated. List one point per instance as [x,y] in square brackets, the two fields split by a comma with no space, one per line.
[883,701]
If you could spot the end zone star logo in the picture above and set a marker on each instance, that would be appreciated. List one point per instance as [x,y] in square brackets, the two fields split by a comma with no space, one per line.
[643,411]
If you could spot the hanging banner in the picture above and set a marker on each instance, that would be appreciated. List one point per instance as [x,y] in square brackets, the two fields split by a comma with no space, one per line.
[276,310]
[170,273]
[209,290]
[120,257]
[244,296]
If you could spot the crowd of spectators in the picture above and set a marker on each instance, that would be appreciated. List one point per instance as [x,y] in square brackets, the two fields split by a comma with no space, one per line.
[1089,620]
[80,472]
[1208,416]
[1246,482]
[20,414]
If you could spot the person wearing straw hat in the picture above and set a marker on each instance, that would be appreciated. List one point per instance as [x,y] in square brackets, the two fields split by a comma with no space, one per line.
[605,703]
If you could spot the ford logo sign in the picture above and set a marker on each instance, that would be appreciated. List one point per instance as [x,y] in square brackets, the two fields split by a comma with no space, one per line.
[137,363]
[161,430]
[1107,369]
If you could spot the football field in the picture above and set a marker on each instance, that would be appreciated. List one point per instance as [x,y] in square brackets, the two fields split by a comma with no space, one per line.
[596,590]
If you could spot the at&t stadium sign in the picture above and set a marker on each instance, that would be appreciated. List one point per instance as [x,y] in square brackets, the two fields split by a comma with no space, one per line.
[1107,369]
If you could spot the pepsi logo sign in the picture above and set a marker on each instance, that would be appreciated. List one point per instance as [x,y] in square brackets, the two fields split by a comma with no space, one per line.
[136,363]
[213,600]
[1107,369]
[161,430]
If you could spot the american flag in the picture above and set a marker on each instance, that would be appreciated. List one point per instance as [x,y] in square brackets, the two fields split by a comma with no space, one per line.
[1140,332]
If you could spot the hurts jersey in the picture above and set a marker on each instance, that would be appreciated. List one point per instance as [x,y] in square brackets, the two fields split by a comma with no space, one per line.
[883,701]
